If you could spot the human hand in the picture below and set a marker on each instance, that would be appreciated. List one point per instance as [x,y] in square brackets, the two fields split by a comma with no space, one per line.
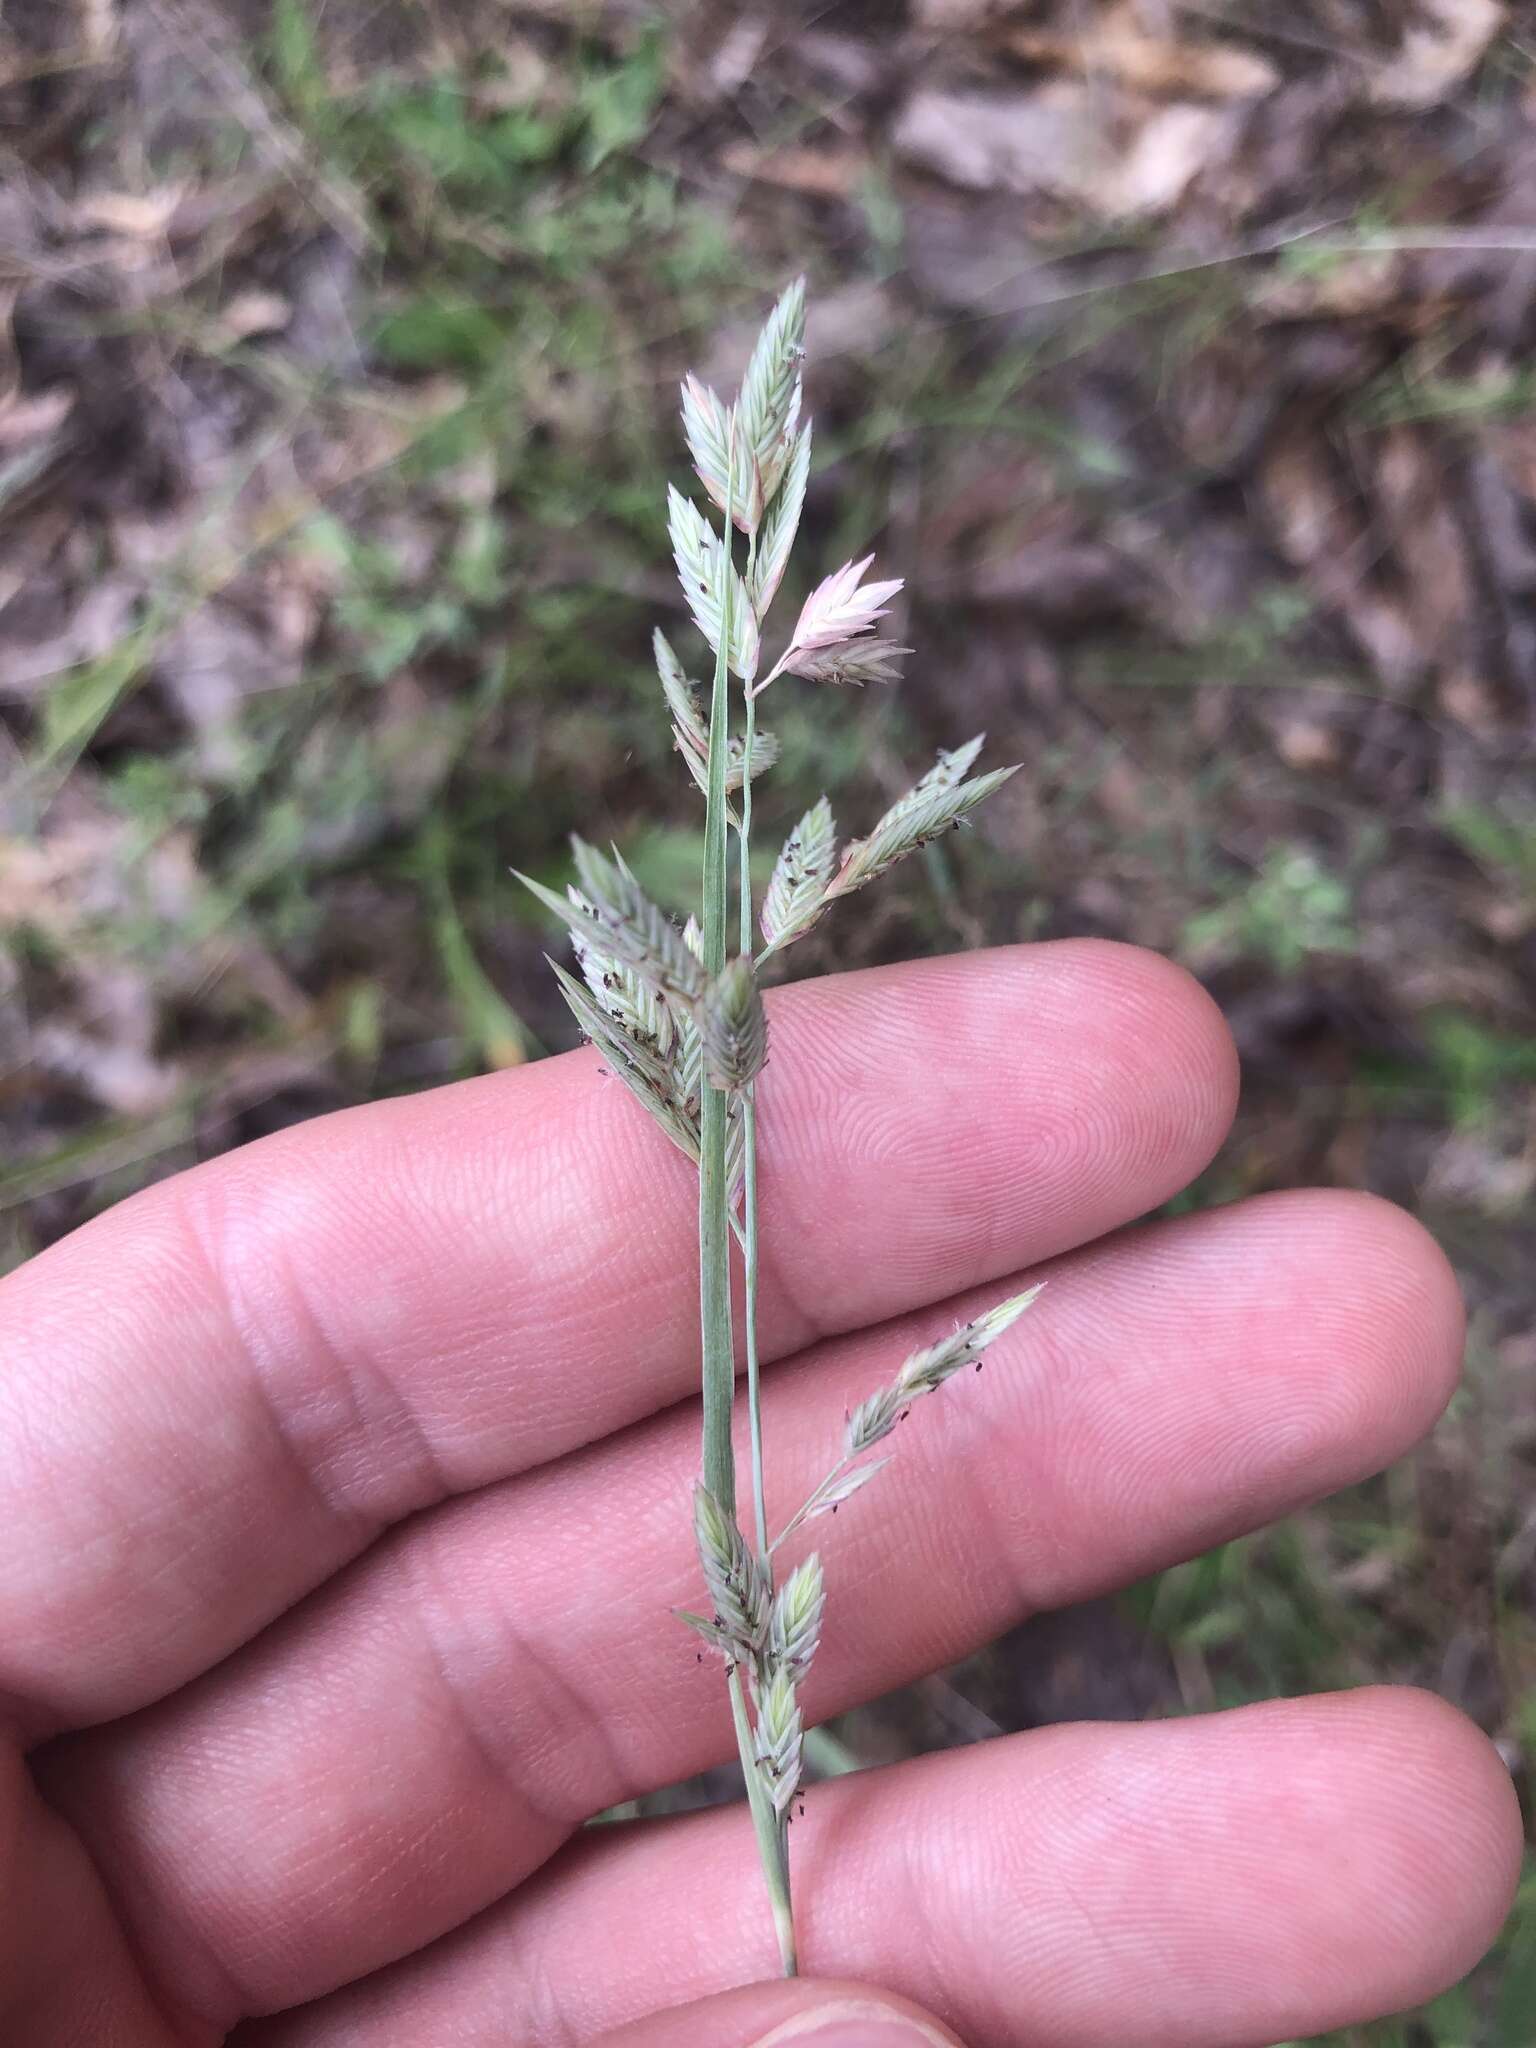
[344,1485]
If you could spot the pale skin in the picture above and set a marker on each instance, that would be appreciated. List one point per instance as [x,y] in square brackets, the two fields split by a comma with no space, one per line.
[344,1486]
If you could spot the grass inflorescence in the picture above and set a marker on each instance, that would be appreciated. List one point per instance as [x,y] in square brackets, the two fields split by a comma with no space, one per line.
[679,1015]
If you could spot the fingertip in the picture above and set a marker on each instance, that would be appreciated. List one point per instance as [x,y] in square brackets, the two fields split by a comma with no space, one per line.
[1148,1052]
[1171,1015]
[1354,1338]
[1394,1317]
[1175,1056]
[797,2013]
[1419,1290]
[1151,984]
[1457,1816]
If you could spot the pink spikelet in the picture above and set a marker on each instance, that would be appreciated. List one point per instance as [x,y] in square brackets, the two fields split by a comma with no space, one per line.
[839,609]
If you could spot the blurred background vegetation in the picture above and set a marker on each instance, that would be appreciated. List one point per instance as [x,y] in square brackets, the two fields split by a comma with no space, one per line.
[1177,354]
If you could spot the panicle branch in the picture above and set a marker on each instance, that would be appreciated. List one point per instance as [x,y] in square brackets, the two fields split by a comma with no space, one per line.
[922,1372]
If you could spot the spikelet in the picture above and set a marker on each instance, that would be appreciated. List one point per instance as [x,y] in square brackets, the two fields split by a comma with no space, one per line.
[930,807]
[797,891]
[849,663]
[738,1589]
[612,915]
[732,1026]
[777,537]
[841,607]
[780,1735]
[708,428]
[794,1628]
[704,574]
[769,406]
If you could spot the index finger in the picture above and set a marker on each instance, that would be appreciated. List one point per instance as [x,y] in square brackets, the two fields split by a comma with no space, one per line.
[221,1391]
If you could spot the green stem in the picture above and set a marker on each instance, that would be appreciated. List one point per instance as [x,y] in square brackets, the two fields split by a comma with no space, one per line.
[715,1225]
[772,1832]
[749,1268]
[749,1133]
[717,1352]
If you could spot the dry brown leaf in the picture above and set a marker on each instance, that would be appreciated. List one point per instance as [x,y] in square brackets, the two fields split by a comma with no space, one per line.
[1019,144]
[1472,1170]
[734,61]
[823,173]
[1437,51]
[80,877]
[1416,506]
[79,881]
[522,76]
[1117,157]
[248,314]
[957,16]
[103,616]
[98,27]
[1382,624]
[28,876]
[1506,919]
[1170,151]
[1122,794]
[1342,287]
[210,666]
[1220,399]
[34,416]
[1117,46]
[1466,698]
[124,1078]
[1313,520]
[1319,518]
[1306,744]
[140,216]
